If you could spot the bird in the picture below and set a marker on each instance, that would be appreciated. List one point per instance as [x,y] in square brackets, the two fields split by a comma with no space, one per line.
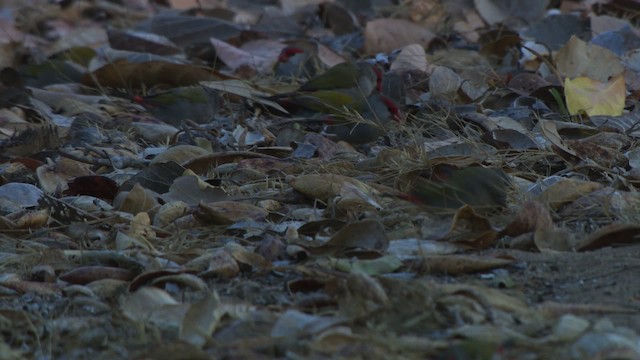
[361,76]
[348,94]
[294,62]
[374,115]
[450,187]
[197,103]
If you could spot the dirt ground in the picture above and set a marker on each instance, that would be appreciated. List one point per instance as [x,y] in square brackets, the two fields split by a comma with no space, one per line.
[607,276]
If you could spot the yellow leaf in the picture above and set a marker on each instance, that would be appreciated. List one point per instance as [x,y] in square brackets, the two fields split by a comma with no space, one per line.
[594,97]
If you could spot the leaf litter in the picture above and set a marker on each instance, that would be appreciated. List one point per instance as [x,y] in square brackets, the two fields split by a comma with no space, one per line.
[160,198]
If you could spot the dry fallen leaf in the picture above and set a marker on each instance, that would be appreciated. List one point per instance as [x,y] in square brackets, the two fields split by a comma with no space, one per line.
[594,97]
[201,320]
[384,35]
[580,59]
[411,57]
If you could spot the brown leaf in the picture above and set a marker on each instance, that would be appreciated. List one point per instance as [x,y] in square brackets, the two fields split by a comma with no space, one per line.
[550,131]
[531,217]
[601,155]
[243,256]
[552,240]
[366,234]
[566,191]
[135,201]
[580,59]
[325,186]
[94,185]
[384,35]
[469,228]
